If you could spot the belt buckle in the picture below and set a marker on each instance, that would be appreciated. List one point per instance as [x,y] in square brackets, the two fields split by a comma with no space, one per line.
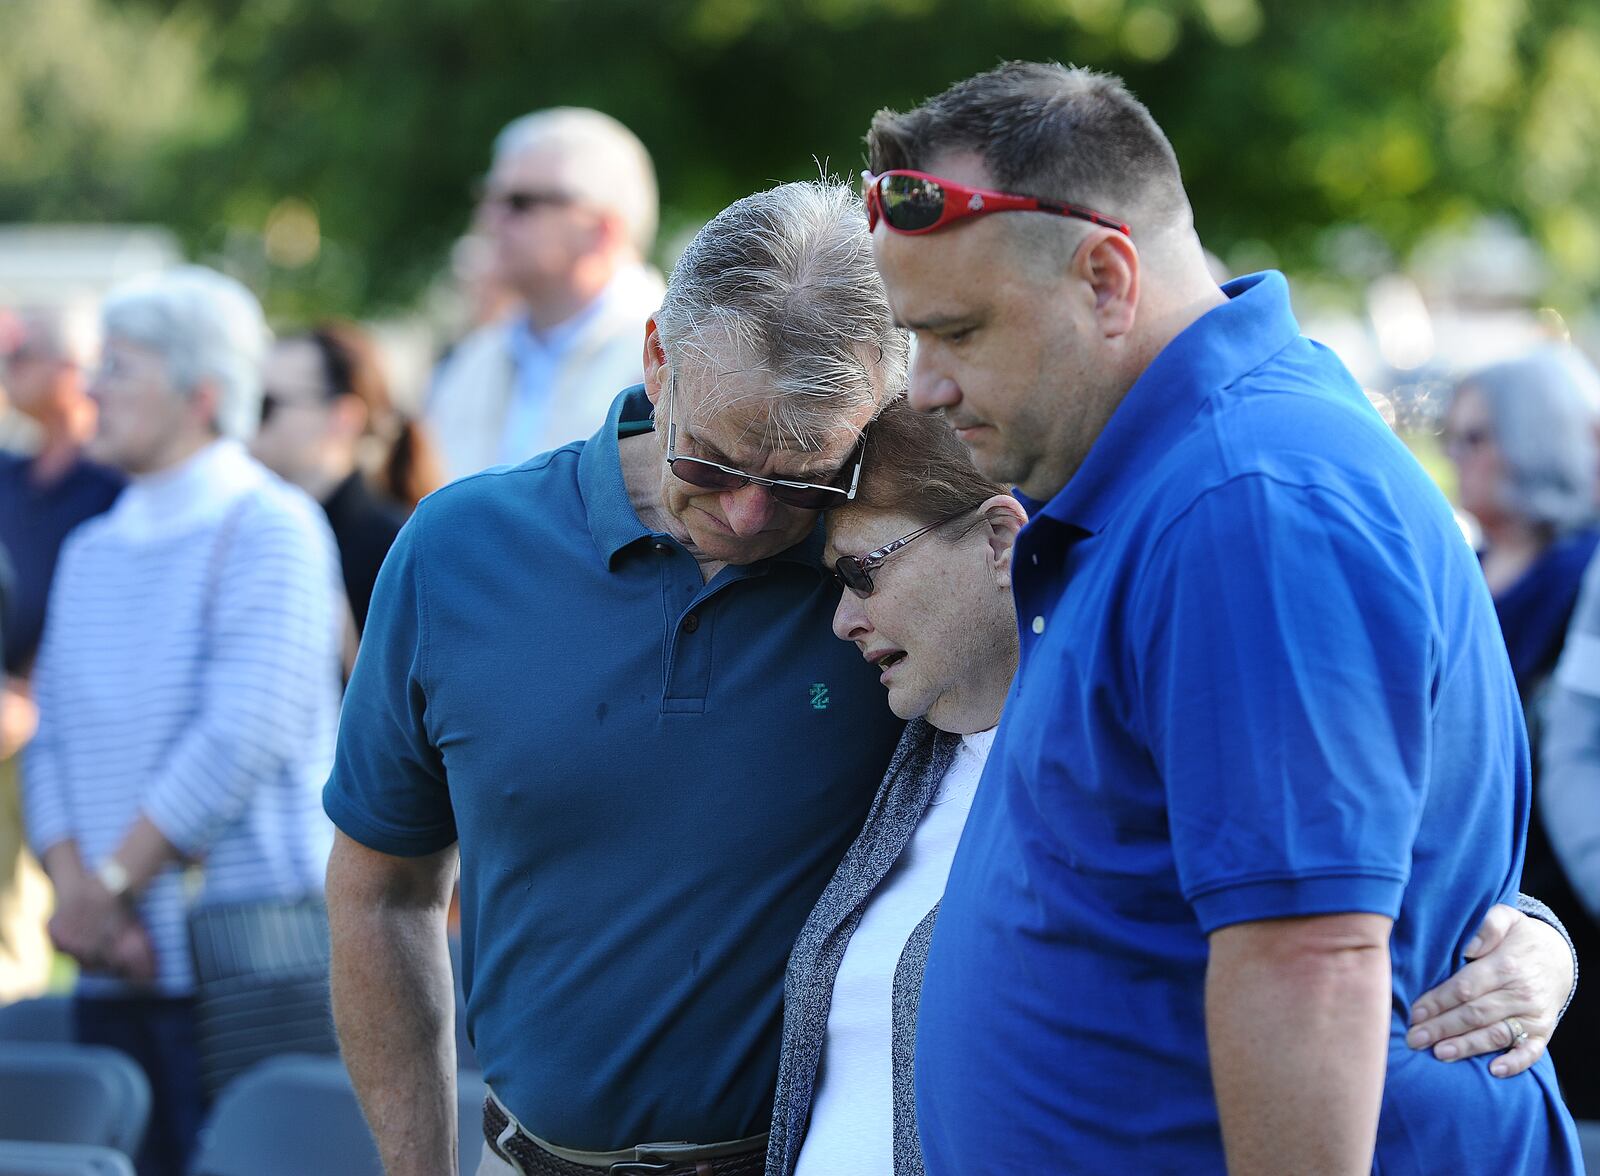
[651,1158]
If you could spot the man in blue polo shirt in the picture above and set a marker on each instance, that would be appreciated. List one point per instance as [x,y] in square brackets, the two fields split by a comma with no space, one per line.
[1262,768]
[607,675]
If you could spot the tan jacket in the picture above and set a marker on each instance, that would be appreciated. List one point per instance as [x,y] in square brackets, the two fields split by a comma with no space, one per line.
[471,396]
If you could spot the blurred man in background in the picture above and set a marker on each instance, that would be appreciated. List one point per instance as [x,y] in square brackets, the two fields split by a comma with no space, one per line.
[570,206]
[187,682]
[42,498]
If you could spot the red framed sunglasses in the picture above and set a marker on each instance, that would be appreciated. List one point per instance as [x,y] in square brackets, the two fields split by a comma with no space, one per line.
[913,202]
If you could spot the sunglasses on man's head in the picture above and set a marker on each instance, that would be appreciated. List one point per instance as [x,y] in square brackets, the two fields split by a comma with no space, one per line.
[712,475]
[913,202]
[855,571]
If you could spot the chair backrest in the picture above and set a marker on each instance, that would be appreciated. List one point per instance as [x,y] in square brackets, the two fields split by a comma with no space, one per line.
[299,1114]
[466,1059]
[1589,1140]
[62,1093]
[292,1113]
[45,1018]
[61,1159]
[470,1093]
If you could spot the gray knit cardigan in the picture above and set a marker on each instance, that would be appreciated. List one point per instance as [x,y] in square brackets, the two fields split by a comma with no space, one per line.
[919,764]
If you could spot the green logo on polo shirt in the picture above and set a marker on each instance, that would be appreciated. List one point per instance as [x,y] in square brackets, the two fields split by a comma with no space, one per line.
[819,696]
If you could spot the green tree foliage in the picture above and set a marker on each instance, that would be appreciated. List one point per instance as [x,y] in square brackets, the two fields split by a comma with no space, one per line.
[328,146]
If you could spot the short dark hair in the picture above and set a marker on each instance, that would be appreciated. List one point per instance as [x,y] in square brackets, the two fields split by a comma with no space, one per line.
[914,464]
[1046,130]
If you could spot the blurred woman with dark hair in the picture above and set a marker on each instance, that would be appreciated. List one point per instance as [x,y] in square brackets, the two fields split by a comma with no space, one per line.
[325,409]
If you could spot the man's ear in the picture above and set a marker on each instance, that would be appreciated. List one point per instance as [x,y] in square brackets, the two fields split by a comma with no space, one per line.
[1108,263]
[1003,517]
[611,233]
[655,361]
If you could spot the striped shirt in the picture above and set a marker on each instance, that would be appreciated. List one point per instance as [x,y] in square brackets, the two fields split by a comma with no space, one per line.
[190,672]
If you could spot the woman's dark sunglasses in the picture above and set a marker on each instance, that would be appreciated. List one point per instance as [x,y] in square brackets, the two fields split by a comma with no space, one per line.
[711,475]
[855,571]
[915,202]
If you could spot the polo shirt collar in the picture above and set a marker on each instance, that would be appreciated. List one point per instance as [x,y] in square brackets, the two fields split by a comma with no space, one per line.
[1213,352]
[613,523]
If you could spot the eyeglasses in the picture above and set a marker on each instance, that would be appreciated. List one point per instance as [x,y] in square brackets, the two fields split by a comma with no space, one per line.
[1465,440]
[115,366]
[711,475]
[273,403]
[913,202]
[21,354]
[855,571]
[518,203]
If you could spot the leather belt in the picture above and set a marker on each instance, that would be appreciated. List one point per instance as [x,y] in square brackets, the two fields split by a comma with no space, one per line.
[522,1150]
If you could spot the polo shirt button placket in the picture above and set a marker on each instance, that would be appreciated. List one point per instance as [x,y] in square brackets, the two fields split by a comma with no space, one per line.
[691,622]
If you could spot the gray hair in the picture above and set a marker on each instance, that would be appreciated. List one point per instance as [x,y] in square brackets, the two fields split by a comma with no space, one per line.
[786,281]
[602,162]
[205,326]
[69,332]
[1544,407]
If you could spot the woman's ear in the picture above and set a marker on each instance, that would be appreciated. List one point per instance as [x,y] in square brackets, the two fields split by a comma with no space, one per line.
[1003,517]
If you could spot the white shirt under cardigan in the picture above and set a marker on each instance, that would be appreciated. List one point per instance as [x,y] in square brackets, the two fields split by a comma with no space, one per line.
[852,1112]
[190,671]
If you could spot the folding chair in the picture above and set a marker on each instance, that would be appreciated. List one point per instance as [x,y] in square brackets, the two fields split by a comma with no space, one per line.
[61,1159]
[45,1018]
[82,1094]
[1589,1140]
[299,1114]
[466,1059]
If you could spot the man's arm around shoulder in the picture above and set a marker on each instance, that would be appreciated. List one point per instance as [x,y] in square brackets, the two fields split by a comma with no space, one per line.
[393,1000]
[1297,1026]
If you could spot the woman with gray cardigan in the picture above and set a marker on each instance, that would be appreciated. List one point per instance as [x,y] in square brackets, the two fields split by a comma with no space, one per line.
[923,555]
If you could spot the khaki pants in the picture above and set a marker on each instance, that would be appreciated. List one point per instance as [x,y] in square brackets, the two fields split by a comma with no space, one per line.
[25,901]
[493,1165]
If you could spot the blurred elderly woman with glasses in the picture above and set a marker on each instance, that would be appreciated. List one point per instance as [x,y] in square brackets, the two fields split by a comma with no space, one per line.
[1521,435]
[923,557]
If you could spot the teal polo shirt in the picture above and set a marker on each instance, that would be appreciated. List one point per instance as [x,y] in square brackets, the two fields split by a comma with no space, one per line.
[651,779]
[1260,678]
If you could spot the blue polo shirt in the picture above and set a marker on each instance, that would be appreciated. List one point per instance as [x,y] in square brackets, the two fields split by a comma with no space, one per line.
[651,777]
[1260,677]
